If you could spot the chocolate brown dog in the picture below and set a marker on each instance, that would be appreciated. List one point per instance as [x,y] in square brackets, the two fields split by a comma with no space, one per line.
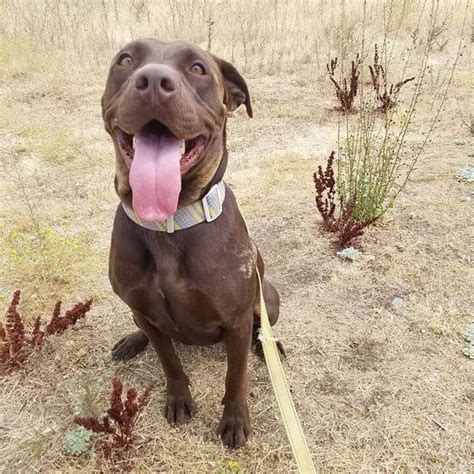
[183,262]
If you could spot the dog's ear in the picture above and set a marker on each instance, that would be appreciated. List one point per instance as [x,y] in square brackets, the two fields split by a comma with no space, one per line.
[236,90]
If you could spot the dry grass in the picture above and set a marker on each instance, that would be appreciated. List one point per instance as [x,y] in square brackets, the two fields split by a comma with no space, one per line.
[377,389]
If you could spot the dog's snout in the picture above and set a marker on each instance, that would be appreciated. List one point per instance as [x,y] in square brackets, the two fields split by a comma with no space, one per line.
[156,78]
[141,82]
[167,84]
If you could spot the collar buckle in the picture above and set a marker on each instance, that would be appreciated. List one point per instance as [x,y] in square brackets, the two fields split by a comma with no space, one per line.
[170,225]
[212,198]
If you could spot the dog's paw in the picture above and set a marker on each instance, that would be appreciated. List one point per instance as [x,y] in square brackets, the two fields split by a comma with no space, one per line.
[129,346]
[179,407]
[234,428]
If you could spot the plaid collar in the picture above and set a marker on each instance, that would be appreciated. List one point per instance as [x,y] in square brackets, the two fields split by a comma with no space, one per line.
[207,209]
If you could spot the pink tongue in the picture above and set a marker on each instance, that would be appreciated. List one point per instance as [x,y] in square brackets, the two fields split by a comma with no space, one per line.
[155,175]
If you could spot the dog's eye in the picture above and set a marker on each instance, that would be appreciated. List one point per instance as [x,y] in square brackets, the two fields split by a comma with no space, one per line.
[125,60]
[198,68]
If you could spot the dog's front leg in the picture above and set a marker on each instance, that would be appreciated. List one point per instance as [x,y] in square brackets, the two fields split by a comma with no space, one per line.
[234,427]
[179,406]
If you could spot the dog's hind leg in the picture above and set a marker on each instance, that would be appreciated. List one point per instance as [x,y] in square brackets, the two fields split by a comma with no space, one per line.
[130,346]
[270,294]
[272,303]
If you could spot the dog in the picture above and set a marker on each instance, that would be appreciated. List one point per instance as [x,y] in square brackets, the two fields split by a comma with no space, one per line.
[181,257]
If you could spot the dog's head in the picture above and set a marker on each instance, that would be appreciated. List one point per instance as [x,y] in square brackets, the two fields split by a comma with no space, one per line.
[165,107]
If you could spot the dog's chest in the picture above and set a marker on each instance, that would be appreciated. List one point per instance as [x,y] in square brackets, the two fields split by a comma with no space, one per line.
[191,298]
[189,285]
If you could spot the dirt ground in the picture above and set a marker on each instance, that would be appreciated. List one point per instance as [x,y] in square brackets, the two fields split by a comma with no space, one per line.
[377,389]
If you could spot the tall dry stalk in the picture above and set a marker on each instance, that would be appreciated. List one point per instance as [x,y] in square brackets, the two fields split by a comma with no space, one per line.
[376,159]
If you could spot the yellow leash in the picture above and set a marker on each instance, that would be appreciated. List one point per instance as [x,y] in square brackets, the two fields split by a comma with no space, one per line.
[290,418]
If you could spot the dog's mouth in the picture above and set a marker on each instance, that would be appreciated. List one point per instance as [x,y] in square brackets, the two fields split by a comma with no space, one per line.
[157,159]
[191,149]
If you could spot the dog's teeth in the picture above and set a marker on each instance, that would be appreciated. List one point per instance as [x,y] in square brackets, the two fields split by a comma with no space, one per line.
[183,147]
[134,142]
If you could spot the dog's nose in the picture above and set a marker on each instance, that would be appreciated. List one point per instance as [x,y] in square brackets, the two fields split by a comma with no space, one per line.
[158,78]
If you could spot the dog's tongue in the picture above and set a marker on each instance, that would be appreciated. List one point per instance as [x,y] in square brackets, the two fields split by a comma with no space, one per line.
[155,175]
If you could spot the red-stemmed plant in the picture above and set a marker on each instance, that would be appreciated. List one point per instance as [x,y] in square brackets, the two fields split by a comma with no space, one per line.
[345,88]
[16,344]
[345,226]
[117,425]
[387,96]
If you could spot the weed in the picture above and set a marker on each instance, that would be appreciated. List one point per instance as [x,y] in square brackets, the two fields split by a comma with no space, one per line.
[346,89]
[387,96]
[346,226]
[51,141]
[228,467]
[380,158]
[16,345]
[116,427]
[325,185]
[87,397]
[46,263]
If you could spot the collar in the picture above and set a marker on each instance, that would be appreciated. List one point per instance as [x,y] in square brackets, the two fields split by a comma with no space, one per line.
[207,209]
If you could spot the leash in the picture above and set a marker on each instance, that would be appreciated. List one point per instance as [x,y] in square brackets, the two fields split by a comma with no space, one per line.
[293,427]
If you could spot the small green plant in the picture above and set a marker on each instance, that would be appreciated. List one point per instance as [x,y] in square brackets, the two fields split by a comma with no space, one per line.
[45,262]
[46,246]
[381,159]
[349,253]
[469,341]
[228,467]
[369,177]
[77,441]
[466,174]
[87,397]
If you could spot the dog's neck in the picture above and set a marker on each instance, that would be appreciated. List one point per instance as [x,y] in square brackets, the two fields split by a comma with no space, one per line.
[219,174]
